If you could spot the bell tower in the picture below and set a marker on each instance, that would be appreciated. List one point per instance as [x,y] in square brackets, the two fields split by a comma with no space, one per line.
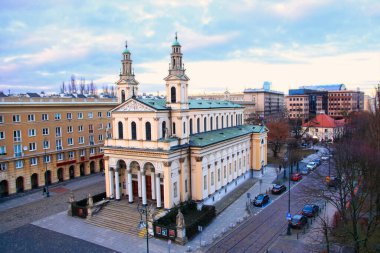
[177,81]
[127,86]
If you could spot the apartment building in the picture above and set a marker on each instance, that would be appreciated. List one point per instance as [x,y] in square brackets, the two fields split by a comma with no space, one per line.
[50,140]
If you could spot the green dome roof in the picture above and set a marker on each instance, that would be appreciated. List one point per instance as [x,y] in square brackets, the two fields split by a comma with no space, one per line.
[176,43]
[126,51]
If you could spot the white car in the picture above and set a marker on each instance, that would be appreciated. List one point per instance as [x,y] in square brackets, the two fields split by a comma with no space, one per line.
[324,158]
[311,165]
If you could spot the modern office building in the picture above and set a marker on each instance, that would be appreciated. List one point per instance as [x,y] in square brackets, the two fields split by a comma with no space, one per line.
[174,149]
[52,139]
[333,99]
[261,102]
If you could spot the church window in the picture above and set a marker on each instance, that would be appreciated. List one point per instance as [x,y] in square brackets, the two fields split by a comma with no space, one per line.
[229,168]
[225,171]
[232,120]
[222,122]
[235,166]
[211,125]
[205,182]
[186,185]
[198,125]
[191,126]
[184,127]
[173,95]
[120,130]
[148,131]
[122,96]
[212,178]
[218,175]
[204,124]
[217,122]
[173,127]
[133,130]
[163,129]
[237,120]
[227,120]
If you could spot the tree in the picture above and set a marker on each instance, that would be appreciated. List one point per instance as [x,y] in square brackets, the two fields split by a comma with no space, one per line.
[277,135]
[82,86]
[73,85]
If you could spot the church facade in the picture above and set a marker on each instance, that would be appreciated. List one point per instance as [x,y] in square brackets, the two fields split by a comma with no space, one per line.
[173,149]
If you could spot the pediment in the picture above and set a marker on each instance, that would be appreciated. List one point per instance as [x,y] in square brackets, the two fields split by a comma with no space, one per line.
[133,106]
[174,77]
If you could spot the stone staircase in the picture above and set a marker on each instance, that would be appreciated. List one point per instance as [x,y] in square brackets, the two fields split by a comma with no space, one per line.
[119,216]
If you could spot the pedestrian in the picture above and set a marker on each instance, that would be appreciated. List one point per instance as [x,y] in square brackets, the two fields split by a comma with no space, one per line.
[44,190]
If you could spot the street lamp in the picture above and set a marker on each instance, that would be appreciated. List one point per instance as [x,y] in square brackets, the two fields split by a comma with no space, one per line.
[144,210]
[46,176]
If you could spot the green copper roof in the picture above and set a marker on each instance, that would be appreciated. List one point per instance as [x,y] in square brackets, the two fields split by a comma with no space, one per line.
[212,137]
[126,51]
[160,104]
[176,43]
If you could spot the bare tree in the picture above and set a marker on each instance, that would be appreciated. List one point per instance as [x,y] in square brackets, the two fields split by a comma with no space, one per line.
[73,84]
[82,86]
[92,89]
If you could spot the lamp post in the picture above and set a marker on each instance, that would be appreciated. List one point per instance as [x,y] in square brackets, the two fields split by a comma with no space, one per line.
[144,210]
[46,176]
[289,232]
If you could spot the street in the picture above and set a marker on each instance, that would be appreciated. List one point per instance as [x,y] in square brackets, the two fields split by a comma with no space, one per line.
[261,230]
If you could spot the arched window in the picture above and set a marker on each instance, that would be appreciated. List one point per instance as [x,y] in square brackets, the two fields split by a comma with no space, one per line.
[211,125]
[237,119]
[133,130]
[173,95]
[163,129]
[204,124]
[232,120]
[173,130]
[198,125]
[222,121]
[148,135]
[120,129]
[191,126]
[122,96]
[184,127]
[217,122]
[227,120]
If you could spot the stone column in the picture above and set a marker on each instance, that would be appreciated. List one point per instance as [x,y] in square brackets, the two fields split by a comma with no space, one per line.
[152,182]
[168,199]
[130,189]
[117,184]
[143,187]
[139,184]
[158,190]
[112,189]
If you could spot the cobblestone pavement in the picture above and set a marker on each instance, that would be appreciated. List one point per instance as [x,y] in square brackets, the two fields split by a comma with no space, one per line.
[22,214]
[30,238]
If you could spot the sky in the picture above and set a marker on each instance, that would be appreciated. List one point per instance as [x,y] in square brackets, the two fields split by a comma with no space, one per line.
[226,44]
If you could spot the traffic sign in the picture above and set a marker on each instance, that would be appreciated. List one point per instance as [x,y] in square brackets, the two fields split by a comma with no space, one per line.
[288,216]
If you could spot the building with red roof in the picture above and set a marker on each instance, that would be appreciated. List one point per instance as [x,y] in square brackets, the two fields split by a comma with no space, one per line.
[324,127]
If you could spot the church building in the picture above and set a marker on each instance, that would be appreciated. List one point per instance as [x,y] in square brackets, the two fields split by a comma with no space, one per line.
[173,149]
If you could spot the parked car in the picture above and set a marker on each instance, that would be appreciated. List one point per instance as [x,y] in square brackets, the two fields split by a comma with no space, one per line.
[310,210]
[261,200]
[298,221]
[311,165]
[317,161]
[324,158]
[296,177]
[333,182]
[305,171]
[278,189]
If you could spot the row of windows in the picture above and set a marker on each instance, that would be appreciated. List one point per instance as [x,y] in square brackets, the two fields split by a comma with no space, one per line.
[45,131]
[57,116]
[298,99]
[47,158]
[298,104]
[148,128]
